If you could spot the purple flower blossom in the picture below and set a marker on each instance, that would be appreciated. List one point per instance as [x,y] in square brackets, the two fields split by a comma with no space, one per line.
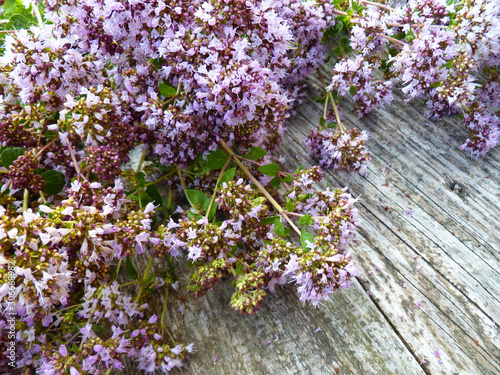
[344,151]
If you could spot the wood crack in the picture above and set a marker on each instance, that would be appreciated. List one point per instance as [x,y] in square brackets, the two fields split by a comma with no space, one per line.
[394,328]
[436,306]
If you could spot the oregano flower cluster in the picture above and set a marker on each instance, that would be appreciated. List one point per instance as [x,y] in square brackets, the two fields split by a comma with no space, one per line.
[444,52]
[104,102]
[251,244]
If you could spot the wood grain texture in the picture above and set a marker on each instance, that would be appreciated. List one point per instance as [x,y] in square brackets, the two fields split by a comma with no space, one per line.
[445,259]
[281,338]
[446,256]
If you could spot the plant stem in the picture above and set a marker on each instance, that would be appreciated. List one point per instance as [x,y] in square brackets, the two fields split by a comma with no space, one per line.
[249,161]
[118,268]
[216,185]
[144,278]
[164,306]
[257,183]
[294,214]
[161,178]
[73,337]
[325,111]
[77,166]
[339,12]
[169,206]
[69,307]
[59,328]
[381,6]
[394,40]
[139,167]
[187,172]
[44,147]
[245,264]
[25,199]
[131,283]
[37,13]
[162,324]
[183,183]
[342,127]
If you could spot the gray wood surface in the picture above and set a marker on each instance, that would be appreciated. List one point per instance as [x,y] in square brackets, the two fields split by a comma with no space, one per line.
[444,258]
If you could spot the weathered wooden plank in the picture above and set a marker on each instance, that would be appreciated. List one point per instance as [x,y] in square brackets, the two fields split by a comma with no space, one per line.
[445,259]
[454,279]
[354,337]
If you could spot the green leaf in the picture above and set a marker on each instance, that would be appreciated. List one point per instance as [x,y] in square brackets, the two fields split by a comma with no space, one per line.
[167,91]
[75,348]
[195,215]
[141,178]
[157,63]
[145,198]
[97,328]
[54,181]
[322,121]
[269,220]
[10,154]
[338,28]
[216,159]
[131,271]
[449,64]
[320,99]
[337,51]
[409,36]
[275,182]
[305,220]
[435,84]
[239,269]
[12,7]
[255,153]
[306,236]
[289,205]
[279,228]
[288,178]
[357,7]
[398,36]
[227,176]
[51,134]
[153,192]
[352,90]
[344,42]
[287,232]
[269,169]
[196,198]
[18,21]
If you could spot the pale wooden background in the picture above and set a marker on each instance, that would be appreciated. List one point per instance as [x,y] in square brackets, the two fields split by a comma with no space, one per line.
[446,257]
